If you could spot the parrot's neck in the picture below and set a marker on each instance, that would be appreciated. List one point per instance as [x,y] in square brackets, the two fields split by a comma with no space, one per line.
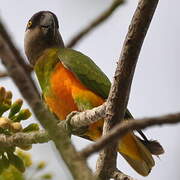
[45,66]
[35,45]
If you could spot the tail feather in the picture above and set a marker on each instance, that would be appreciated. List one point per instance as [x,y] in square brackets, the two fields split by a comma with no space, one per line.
[136,154]
[154,146]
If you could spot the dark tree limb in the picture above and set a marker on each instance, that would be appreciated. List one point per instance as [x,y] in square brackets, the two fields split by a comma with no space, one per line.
[119,94]
[99,20]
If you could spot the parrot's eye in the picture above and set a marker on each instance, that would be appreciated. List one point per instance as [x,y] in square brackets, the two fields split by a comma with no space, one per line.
[29,24]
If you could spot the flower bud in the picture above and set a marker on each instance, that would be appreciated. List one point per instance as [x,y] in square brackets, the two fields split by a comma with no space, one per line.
[31,127]
[2,94]
[8,95]
[41,165]
[15,108]
[5,123]
[23,115]
[16,127]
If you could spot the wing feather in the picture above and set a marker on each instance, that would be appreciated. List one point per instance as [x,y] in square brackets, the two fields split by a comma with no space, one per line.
[86,71]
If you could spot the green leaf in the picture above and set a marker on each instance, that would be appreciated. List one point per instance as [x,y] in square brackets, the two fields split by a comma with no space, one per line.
[5,161]
[16,161]
[2,167]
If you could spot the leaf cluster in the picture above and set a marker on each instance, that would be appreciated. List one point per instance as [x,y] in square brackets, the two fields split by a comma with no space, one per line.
[11,115]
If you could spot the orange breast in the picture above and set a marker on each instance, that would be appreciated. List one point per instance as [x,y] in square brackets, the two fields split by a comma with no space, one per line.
[65,87]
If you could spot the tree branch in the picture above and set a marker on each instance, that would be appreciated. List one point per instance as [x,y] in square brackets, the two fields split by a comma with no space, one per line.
[99,20]
[23,139]
[118,175]
[3,74]
[75,163]
[117,132]
[85,118]
[127,126]
[119,94]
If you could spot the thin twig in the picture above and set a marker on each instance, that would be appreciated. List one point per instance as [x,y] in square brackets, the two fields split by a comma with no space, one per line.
[23,139]
[119,93]
[99,20]
[118,175]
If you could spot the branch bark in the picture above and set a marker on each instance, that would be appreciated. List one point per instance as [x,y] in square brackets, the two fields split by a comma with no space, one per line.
[118,175]
[99,20]
[117,132]
[119,94]
[23,139]
[85,118]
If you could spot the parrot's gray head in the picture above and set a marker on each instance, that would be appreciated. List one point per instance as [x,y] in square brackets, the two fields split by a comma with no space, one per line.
[42,32]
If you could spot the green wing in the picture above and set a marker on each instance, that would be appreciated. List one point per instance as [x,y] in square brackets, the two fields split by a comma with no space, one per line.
[86,71]
[89,74]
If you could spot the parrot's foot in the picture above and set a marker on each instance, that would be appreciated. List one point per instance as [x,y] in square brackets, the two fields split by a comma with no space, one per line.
[69,127]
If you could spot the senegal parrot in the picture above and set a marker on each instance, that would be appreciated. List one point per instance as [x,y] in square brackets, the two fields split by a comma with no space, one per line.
[71,81]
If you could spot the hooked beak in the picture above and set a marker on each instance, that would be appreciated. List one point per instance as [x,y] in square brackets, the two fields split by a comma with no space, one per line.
[47,23]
